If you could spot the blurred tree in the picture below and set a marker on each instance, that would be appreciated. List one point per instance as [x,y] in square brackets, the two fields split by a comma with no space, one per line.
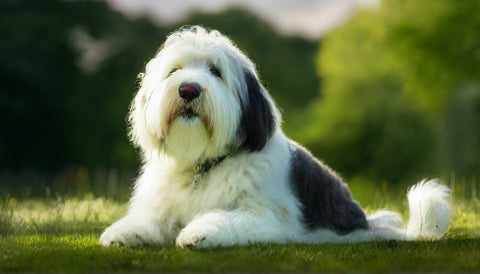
[68,71]
[56,113]
[460,132]
[365,130]
[435,45]
[387,74]
[37,74]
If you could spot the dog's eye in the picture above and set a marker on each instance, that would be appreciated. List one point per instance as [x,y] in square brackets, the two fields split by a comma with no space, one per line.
[173,71]
[215,71]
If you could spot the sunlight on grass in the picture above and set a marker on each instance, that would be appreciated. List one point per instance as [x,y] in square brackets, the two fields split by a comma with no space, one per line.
[92,214]
[466,219]
[58,215]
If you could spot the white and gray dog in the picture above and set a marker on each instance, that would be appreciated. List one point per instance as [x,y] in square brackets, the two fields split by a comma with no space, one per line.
[219,171]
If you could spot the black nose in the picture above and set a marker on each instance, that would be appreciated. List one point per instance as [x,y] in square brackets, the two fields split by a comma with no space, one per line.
[189,91]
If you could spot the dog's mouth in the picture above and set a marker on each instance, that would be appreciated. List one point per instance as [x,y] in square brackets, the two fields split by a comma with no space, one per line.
[187,113]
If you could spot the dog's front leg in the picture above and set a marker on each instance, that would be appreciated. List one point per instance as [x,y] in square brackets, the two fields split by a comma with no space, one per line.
[228,228]
[135,230]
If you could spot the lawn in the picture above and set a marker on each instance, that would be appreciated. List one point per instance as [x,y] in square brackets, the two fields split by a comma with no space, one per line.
[61,234]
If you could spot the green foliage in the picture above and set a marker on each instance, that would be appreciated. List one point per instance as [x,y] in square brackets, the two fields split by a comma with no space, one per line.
[436,46]
[53,113]
[30,77]
[387,75]
[58,114]
[398,95]
[459,131]
[368,131]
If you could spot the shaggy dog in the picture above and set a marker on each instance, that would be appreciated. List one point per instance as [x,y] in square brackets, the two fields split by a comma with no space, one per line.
[219,171]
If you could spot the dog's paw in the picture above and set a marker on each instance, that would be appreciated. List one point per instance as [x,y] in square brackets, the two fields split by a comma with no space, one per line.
[130,233]
[191,239]
[209,230]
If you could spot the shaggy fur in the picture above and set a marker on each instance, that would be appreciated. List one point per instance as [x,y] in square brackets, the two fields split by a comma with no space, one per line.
[218,170]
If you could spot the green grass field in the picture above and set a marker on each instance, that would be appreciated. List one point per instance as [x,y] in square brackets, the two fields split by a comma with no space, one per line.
[61,235]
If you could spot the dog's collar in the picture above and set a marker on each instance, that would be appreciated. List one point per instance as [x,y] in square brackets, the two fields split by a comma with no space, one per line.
[200,169]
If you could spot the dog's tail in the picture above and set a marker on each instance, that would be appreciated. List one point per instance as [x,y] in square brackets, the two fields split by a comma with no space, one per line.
[429,208]
[429,205]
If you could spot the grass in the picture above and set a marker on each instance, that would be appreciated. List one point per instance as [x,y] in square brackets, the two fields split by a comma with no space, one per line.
[80,253]
[61,235]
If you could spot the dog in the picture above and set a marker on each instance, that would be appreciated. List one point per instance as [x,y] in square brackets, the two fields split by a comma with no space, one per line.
[218,170]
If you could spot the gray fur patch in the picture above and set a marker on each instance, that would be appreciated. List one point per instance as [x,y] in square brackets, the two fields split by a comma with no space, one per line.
[326,200]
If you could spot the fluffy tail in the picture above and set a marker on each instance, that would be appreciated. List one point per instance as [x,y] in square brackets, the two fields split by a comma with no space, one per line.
[428,203]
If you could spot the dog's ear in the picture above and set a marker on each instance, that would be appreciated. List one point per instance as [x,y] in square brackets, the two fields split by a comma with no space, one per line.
[138,131]
[257,123]
[136,117]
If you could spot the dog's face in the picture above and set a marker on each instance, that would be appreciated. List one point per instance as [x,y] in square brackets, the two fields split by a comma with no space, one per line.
[200,98]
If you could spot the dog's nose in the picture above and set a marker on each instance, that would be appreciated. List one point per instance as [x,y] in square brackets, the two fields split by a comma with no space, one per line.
[189,91]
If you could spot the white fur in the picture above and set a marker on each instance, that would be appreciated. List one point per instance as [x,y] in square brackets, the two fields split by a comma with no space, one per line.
[246,197]
[429,210]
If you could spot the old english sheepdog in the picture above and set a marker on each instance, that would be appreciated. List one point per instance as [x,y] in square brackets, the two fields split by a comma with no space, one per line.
[219,171]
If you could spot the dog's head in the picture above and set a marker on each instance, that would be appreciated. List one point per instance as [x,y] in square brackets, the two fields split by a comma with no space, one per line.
[200,97]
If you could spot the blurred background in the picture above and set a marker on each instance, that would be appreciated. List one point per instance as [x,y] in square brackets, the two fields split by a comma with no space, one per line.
[385,92]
